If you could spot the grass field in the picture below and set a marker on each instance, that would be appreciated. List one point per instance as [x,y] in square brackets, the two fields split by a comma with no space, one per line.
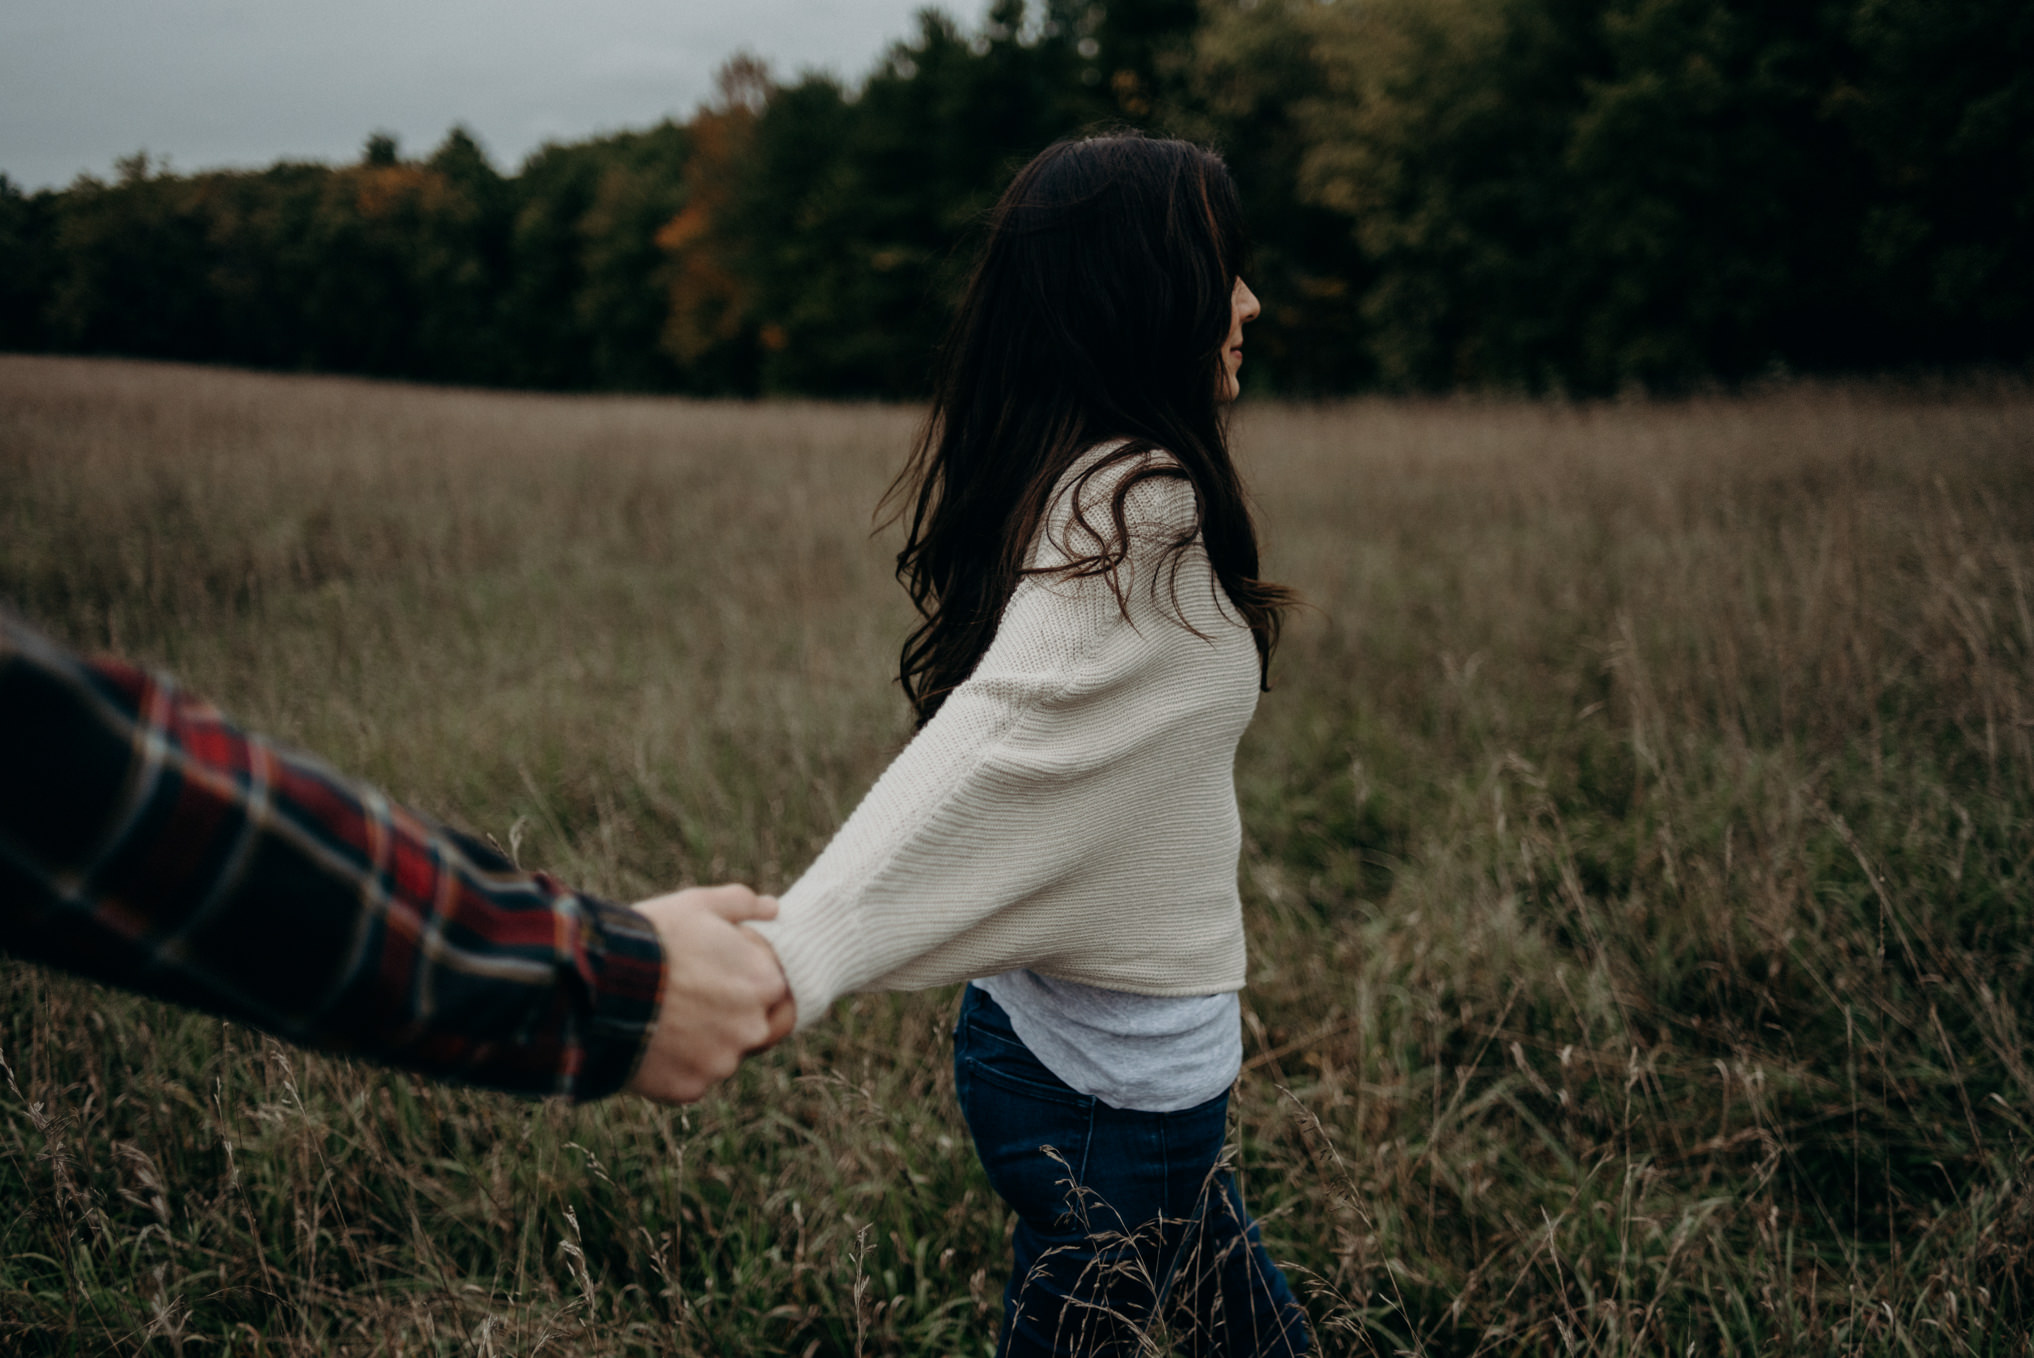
[1639,865]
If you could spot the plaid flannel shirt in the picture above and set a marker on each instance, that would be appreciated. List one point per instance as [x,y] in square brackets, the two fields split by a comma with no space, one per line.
[148,843]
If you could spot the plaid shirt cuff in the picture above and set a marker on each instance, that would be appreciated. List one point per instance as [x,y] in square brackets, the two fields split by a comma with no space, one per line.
[625,961]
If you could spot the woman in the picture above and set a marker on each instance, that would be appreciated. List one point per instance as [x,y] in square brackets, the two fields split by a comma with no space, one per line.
[1063,827]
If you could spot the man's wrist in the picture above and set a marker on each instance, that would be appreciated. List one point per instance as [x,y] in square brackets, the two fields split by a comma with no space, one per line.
[624,968]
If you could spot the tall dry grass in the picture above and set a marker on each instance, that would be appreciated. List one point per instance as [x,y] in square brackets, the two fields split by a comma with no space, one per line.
[1639,853]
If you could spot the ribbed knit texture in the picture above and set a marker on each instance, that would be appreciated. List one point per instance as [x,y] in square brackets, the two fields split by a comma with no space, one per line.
[1072,806]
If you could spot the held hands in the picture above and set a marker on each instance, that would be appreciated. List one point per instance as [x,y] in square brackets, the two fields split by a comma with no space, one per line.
[724,993]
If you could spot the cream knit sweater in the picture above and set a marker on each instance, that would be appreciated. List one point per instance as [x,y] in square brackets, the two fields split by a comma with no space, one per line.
[1071,808]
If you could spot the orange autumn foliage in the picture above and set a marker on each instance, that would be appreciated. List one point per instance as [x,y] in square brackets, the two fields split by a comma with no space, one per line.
[709,299]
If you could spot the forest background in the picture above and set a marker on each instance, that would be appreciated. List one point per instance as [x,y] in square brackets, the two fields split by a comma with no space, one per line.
[1570,196]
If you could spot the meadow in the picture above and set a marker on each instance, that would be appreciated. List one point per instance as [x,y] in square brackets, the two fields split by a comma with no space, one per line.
[1639,867]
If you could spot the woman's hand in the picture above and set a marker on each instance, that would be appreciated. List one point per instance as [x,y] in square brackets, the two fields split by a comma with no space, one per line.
[724,993]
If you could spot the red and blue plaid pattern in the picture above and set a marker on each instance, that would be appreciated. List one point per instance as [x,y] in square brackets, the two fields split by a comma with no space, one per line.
[147,842]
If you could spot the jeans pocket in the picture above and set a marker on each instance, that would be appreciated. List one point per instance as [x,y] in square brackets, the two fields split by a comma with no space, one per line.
[1032,1138]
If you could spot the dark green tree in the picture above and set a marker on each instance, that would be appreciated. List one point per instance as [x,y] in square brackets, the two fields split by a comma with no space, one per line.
[1253,75]
[25,226]
[1135,55]
[1942,107]
[130,267]
[860,211]
[1712,197]
[1585,194]
[262,236]
[459,264]
[587,287]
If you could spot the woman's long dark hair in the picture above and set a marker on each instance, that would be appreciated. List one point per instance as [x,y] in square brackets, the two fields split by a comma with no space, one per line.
[1097,311]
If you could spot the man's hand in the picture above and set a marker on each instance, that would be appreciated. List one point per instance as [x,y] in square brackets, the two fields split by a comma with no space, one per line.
[724,993]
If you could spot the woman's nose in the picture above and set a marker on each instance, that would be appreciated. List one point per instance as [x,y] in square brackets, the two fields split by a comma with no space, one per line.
[1246,302]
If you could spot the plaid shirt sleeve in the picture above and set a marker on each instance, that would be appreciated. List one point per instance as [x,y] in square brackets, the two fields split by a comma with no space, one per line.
[148,843]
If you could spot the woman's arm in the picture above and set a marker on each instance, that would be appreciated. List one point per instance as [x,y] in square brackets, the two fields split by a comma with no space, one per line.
[1044,759]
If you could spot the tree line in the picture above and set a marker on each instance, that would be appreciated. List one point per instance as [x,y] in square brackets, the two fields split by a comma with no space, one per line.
[1566,195]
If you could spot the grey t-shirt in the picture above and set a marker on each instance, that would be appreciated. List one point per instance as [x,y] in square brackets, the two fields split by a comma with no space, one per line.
[1147,1053]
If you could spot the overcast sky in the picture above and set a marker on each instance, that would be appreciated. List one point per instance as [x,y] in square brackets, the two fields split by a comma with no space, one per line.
[246,82]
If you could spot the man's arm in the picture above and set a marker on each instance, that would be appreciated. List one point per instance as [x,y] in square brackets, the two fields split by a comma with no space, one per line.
[147,842]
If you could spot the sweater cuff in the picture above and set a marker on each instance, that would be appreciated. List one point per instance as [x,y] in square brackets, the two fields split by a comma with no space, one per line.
[818,944]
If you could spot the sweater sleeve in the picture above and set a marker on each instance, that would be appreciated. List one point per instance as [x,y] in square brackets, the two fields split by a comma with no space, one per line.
[998,797]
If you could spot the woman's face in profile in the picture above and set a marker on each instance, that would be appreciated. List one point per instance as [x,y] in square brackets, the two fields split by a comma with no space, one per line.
[1243,308]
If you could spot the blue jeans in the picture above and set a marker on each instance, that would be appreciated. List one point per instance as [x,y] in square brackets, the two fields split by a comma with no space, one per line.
[1122,1217]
